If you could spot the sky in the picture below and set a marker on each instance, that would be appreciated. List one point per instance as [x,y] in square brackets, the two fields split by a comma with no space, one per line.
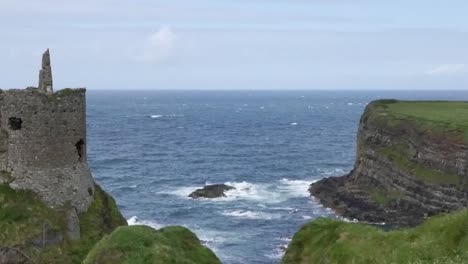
[237,44]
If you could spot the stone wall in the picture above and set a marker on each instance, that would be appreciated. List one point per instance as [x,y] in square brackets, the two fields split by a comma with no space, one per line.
[43,145]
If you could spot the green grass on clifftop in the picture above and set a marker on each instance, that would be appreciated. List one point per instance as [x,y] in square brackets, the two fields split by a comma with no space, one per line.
[145,245]
[433,116]
[440,240]
[24,218]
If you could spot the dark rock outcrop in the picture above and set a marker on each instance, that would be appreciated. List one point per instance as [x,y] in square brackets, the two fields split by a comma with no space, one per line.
[411,163]
[211,191]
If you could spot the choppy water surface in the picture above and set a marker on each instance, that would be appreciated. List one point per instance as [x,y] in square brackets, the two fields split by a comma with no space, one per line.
[150,149]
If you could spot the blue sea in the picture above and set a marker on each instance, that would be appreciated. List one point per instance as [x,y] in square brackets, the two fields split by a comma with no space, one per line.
[150,149]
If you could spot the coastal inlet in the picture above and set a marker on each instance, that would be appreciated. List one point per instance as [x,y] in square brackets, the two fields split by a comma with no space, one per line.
[151,149]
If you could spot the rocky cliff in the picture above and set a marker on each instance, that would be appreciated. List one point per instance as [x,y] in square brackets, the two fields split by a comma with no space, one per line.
[411,163]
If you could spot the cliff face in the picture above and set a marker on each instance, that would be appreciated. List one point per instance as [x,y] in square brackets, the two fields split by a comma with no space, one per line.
[412,162]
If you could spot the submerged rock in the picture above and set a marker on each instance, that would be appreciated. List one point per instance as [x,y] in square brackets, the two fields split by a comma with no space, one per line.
[211,191]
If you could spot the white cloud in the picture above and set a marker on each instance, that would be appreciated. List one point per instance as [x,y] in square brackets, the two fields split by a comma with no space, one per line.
[448,69]
[159,46]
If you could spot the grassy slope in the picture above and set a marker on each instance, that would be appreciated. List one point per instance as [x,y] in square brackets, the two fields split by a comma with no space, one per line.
[442,239]
[143,244]
[23,216]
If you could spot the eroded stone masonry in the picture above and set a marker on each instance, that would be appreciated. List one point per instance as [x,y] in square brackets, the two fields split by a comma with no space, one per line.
[43,142]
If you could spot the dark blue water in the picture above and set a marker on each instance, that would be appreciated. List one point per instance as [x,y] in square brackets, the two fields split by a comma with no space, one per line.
[150,149]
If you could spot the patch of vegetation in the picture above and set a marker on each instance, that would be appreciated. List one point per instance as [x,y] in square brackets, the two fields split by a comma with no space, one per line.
[400,154]
[440,118]
[24,218]
[383,197]
[6,177]
[442,239]
[101,219]
[65,92]
[145,245]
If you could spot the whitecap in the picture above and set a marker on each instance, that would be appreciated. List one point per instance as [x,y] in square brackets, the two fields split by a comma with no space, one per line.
[296,188]
[268,193]
[170,116]
[182,192]
[245,214]
[293,124]
[350,103]
[134,220]
[262,107]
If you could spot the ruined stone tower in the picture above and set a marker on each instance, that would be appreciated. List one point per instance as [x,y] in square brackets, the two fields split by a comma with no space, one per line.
[43,142]
[45,75]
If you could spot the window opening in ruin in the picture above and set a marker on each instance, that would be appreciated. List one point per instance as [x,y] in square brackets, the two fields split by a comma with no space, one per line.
[80,149]
[15,123]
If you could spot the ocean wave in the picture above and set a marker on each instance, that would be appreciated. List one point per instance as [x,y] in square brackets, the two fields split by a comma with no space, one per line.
[332,172]
[296,188]
[182,192]
[276,192]
[245,214]
[134,220]
[160,116]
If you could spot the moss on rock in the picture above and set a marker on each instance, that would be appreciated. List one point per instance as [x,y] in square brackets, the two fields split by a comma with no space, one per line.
[442,239]
[145,245]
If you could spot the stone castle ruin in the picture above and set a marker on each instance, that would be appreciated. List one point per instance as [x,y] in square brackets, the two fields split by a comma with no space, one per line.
[43,143]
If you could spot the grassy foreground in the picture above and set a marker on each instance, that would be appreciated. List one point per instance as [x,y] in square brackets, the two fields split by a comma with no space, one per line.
[440,240]
[25,219]
[145,245]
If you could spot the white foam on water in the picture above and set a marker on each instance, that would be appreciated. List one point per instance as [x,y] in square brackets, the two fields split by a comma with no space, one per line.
[350,103]
[249,191]
[295,188]
[333,172]
[160,116]
[245,214]
[133,186]
[293,124]
[134,220]
[275,192]
[182,192]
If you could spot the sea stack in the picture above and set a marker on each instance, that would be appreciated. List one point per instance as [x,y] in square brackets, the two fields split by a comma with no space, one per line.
[45,75]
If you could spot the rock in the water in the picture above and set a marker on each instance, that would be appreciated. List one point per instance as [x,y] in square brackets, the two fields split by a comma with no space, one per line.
[211,191]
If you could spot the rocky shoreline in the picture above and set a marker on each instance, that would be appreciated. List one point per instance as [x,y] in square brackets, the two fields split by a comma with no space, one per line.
[408,167]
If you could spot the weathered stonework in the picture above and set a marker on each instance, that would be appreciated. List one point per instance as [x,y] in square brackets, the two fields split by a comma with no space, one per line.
[45,75]
[43,143]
